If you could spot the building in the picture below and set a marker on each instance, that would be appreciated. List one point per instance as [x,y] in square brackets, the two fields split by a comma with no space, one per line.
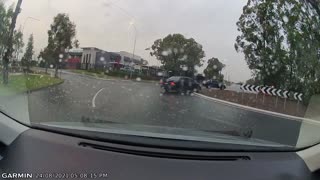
[108,60]
[152,70]
[95,58]
[74,59]
[130,60]
[89,55]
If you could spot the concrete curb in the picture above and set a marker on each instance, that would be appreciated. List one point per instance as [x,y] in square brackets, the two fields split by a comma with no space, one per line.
[38,89]
[125,80]
[104,79]
[248,108]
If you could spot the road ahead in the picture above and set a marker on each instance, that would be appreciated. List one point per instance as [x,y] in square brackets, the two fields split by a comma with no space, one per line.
[82,99]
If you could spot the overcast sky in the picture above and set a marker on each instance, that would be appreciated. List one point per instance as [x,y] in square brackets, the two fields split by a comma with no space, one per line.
[106,24]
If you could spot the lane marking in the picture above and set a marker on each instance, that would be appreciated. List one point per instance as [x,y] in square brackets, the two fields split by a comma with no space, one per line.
[248,108]
[94,98]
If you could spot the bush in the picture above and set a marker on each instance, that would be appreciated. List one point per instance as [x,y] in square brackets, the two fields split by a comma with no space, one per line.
[97,71]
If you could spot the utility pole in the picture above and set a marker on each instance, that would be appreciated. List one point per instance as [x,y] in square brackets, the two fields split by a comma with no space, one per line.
[8,53]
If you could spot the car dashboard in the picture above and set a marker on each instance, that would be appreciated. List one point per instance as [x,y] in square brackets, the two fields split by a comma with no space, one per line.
[50,155]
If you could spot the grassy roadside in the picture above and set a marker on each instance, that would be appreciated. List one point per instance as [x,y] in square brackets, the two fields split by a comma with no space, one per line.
[269,103]
[79,71]
[23,83]
[116,76]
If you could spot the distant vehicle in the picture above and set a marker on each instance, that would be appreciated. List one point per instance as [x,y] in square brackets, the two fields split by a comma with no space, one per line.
[214,84]
[127,69]
[180,84]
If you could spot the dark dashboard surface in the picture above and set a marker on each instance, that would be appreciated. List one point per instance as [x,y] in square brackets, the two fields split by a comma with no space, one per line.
[48,155]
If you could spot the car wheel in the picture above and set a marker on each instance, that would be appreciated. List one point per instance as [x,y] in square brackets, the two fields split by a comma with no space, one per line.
[164,90]
[198,89]
[181,91]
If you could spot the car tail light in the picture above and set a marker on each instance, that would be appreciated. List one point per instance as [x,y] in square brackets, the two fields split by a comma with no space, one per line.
[172,84]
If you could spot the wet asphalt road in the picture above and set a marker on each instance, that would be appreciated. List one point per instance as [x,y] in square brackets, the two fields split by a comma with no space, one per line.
[82,99]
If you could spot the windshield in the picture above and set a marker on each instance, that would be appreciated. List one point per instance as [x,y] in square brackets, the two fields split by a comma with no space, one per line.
[250,69]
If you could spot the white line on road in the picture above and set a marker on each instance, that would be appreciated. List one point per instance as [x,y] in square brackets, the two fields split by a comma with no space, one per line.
[94,98]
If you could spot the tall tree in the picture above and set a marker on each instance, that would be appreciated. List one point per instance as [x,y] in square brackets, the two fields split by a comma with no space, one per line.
[9,43]
[27,57]
[5,19]
[60,38]
[280,40]
[315,4]
[4,26]
[214,69]
[18,43]
[76,43]
[178,54]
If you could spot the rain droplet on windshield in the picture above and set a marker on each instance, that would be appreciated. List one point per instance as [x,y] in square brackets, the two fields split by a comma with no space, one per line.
[185,68]
[102,59]
[175,50]
[215,66]
[138,79]
[285,19]
[51,65]
[160,73]
[185,57]
[164,53]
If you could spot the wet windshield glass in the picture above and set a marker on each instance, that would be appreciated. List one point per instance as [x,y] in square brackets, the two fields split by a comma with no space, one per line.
[241,73]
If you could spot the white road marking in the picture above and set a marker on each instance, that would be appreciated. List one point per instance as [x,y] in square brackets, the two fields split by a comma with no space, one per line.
[94,98]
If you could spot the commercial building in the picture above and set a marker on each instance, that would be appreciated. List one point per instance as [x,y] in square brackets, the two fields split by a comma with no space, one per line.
[95,58]
[74,59]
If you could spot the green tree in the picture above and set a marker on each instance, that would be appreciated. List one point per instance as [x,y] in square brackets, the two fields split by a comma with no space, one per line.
[27,57]
[76,43]
[280,40]
[5,20]
[178,54]
[61,36]
[253,81]
[18,43]
[213,69]
[315,4]
[9,42]
[4,26]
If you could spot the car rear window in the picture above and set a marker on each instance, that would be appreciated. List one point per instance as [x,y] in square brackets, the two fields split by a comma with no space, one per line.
[174,78]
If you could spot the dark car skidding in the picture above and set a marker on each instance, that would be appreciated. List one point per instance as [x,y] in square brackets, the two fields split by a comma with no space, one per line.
[180,84]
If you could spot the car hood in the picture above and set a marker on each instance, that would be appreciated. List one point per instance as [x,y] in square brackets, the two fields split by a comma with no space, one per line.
[226,137]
